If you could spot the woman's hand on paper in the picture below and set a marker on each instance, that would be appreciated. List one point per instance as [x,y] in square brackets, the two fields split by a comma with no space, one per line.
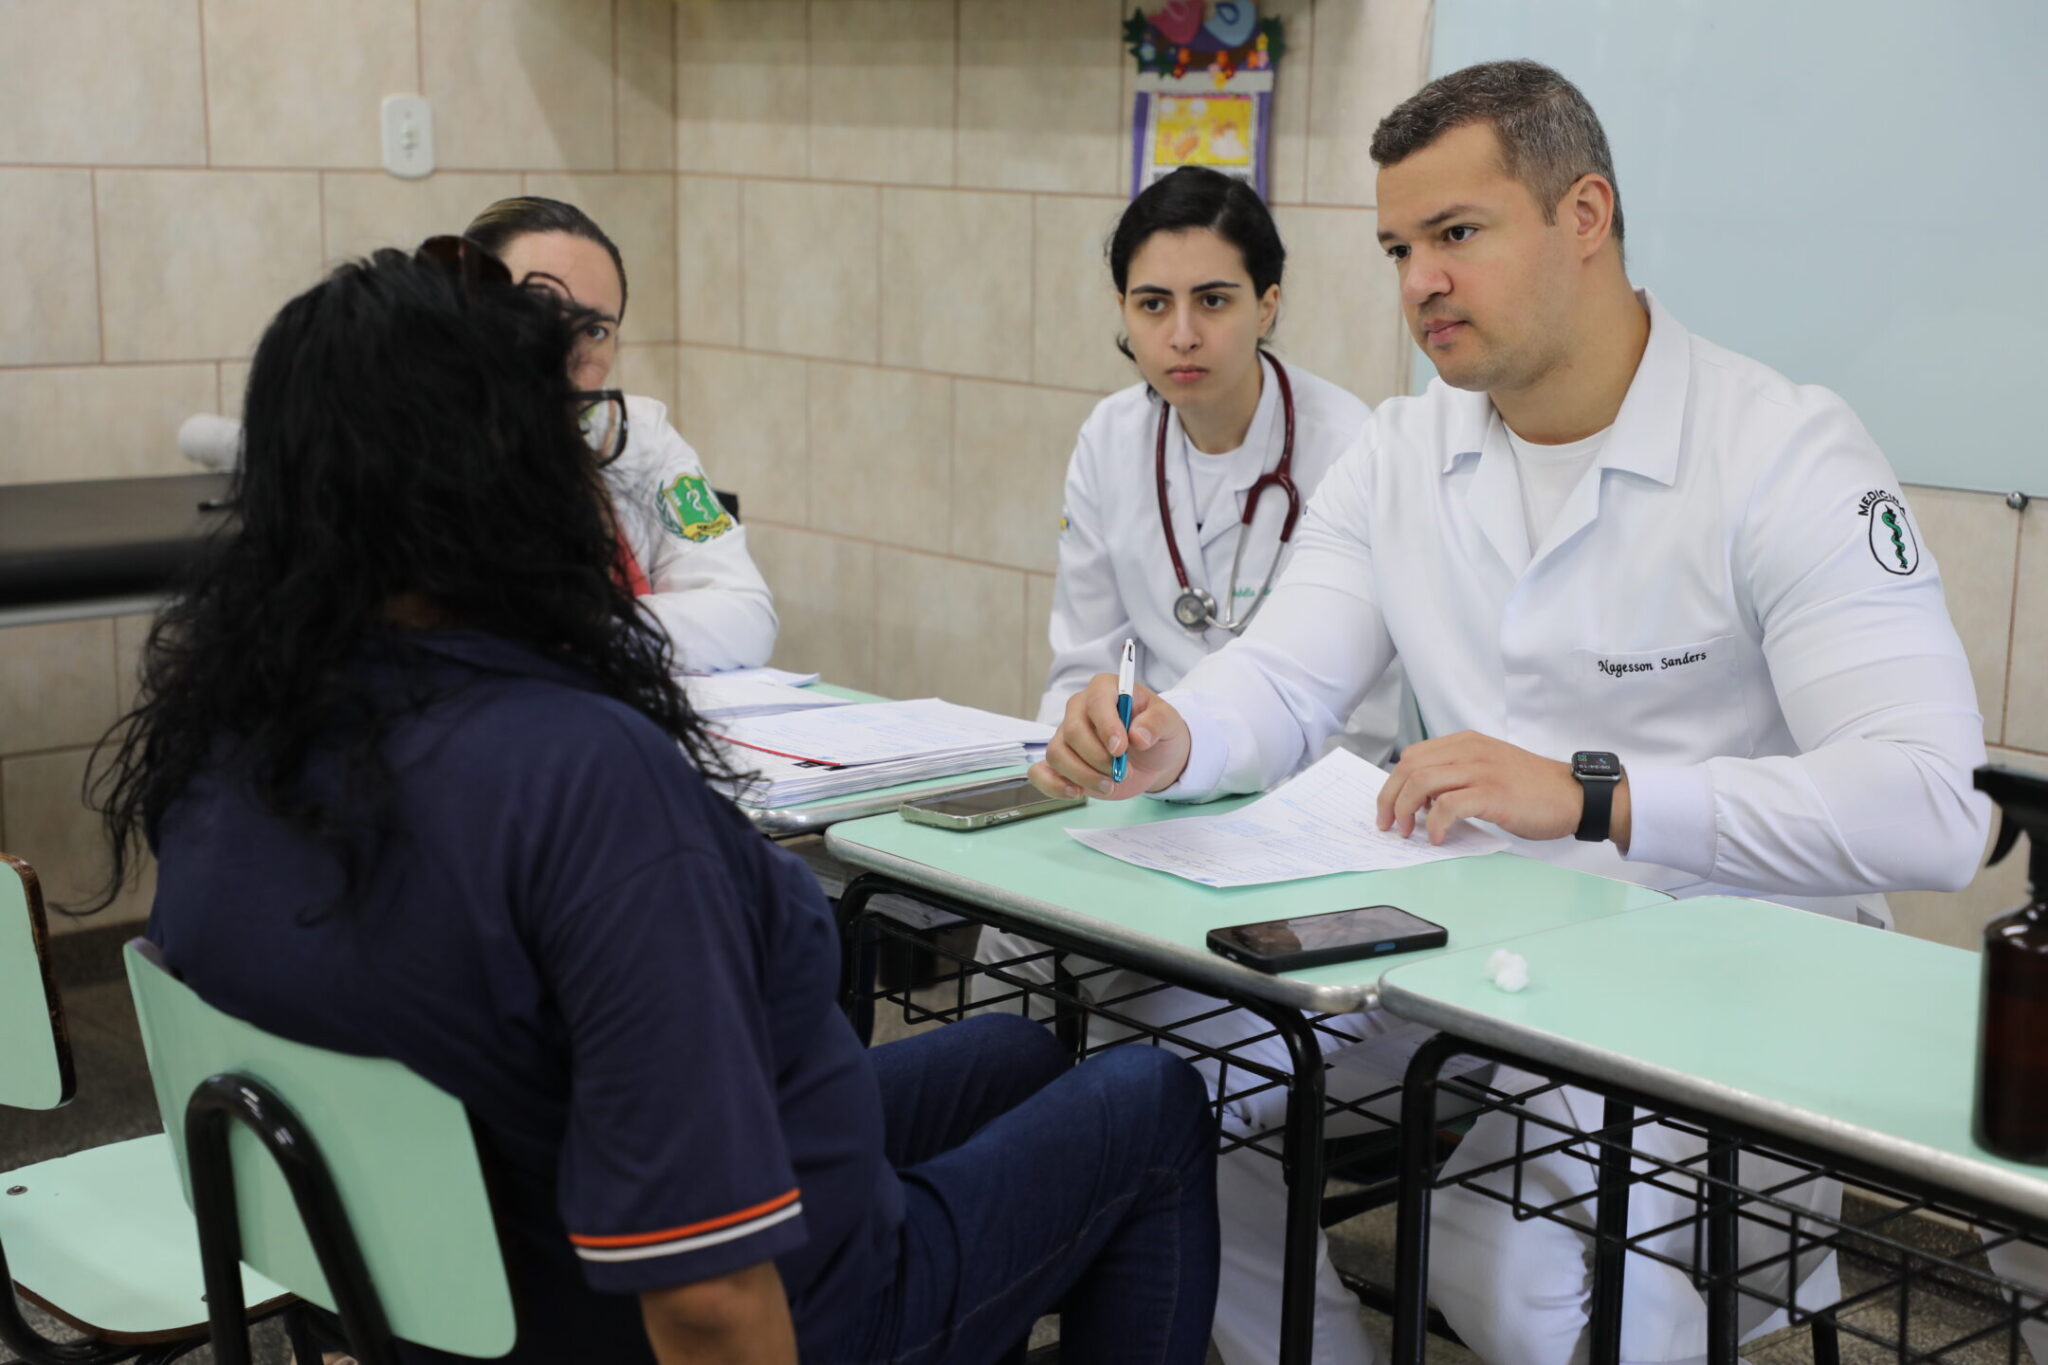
[1077,762]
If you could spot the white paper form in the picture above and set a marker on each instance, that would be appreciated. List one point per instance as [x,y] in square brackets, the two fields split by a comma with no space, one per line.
[1323,821]
[762,674]
[724,696]
[879,731]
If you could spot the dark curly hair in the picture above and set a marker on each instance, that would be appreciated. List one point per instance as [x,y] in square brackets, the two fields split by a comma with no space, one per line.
[412,455]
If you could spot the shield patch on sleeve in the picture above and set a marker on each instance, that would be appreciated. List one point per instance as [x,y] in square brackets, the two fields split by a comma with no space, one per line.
[690,509]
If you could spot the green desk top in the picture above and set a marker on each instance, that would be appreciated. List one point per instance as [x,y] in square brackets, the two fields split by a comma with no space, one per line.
[1034,872]
[782,822]
[1849,1038]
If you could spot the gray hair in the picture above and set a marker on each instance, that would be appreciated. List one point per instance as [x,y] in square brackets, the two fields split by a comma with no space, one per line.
[1549,135]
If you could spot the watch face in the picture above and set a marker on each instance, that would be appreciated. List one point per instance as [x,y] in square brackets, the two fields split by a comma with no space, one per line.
[1595,765]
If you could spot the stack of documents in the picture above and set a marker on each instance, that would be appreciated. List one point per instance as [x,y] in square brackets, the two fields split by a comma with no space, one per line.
[1325,820]
[762,674]
[746,692]
[814,754]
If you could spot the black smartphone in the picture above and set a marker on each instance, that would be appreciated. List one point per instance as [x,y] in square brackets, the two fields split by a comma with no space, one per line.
[1286,945]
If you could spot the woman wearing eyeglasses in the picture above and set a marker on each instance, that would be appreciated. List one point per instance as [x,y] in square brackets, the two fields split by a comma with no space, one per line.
[682,552]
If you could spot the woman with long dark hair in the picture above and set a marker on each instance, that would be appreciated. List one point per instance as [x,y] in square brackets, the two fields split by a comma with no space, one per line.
[420,785]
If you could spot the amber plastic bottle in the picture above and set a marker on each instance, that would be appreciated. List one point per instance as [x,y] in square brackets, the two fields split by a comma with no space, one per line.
[2012,1040]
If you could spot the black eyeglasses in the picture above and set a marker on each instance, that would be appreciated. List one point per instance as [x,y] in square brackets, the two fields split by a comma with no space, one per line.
[601,413]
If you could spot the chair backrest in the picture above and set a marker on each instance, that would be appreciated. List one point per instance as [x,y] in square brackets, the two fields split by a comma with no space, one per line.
[400,1153]
[35,1059]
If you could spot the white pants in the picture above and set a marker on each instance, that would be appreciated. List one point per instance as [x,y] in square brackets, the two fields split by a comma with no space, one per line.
[2028,1265]
[1520,1293]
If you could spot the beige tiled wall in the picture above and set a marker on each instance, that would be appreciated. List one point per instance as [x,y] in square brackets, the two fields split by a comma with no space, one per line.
[895,311]
[172,171]
[865,240]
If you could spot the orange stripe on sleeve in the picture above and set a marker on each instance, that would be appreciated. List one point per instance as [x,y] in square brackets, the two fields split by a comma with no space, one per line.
[641,1239]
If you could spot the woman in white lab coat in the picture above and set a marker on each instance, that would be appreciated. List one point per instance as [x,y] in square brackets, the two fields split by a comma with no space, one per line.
[1152,542]
[1155,496]
[684,553]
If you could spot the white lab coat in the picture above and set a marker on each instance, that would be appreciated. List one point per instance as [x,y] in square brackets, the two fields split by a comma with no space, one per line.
[707,594]
[1116,579]
[1734,600]
[1720,602]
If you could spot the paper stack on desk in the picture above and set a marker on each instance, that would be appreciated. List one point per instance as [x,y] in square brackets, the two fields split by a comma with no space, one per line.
[810,755]
[744,692]
[762,674]
[1325,820]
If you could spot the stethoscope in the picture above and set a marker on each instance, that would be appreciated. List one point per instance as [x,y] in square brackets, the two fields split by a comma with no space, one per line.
[1195,608]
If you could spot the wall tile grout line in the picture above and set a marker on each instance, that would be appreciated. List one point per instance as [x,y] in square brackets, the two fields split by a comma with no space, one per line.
[205,94]
[99,285]
[2012,626]
[618,96]
[946,555]
[959,29]
[902,369]
[120,364]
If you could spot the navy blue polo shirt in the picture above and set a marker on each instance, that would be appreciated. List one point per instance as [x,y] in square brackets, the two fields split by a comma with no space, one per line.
[630,990]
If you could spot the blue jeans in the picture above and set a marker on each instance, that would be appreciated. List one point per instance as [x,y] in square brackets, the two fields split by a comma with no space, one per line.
[1030,1187]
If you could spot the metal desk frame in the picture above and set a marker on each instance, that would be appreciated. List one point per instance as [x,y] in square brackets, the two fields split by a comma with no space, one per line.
[1714,1183]
[1300,1148]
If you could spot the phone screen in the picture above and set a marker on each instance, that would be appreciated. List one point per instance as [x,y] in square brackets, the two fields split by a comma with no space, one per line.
[987,800]
[1367,924]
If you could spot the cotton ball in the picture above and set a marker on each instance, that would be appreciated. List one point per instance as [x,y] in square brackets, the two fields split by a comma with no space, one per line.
[1500,958]
[1513,974]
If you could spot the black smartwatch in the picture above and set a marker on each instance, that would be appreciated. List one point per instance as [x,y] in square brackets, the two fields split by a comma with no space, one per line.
[1599,774]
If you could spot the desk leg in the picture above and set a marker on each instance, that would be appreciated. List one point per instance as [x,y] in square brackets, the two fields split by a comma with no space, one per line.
[1610,1244]
[1302,1157]
[1069,1021]
[1418,1170]
[1722,1229]
[859,950]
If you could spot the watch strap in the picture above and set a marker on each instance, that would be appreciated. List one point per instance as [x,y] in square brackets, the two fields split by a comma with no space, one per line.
[1599,810]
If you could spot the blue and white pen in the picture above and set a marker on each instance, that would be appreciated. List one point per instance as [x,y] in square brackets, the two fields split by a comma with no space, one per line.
[1126,679]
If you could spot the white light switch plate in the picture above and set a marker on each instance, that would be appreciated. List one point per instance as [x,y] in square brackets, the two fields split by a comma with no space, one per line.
[408,136]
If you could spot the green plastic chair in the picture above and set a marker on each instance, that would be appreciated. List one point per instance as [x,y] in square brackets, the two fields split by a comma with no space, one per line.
[350,1180]
[100,1239]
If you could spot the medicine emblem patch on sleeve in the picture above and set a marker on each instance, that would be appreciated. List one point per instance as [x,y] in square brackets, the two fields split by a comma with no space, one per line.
[690,509]
[1892,542]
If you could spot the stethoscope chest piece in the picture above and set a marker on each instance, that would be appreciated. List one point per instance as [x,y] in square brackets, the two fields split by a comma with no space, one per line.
[1195,609]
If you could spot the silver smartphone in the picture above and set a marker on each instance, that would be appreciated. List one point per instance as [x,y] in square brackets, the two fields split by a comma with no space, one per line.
[998,803]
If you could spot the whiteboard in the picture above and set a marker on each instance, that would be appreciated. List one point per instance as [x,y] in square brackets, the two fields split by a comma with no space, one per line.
[1854,192]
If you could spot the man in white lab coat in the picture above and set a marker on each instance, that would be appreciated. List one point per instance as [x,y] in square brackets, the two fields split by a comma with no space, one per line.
[1648,593]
